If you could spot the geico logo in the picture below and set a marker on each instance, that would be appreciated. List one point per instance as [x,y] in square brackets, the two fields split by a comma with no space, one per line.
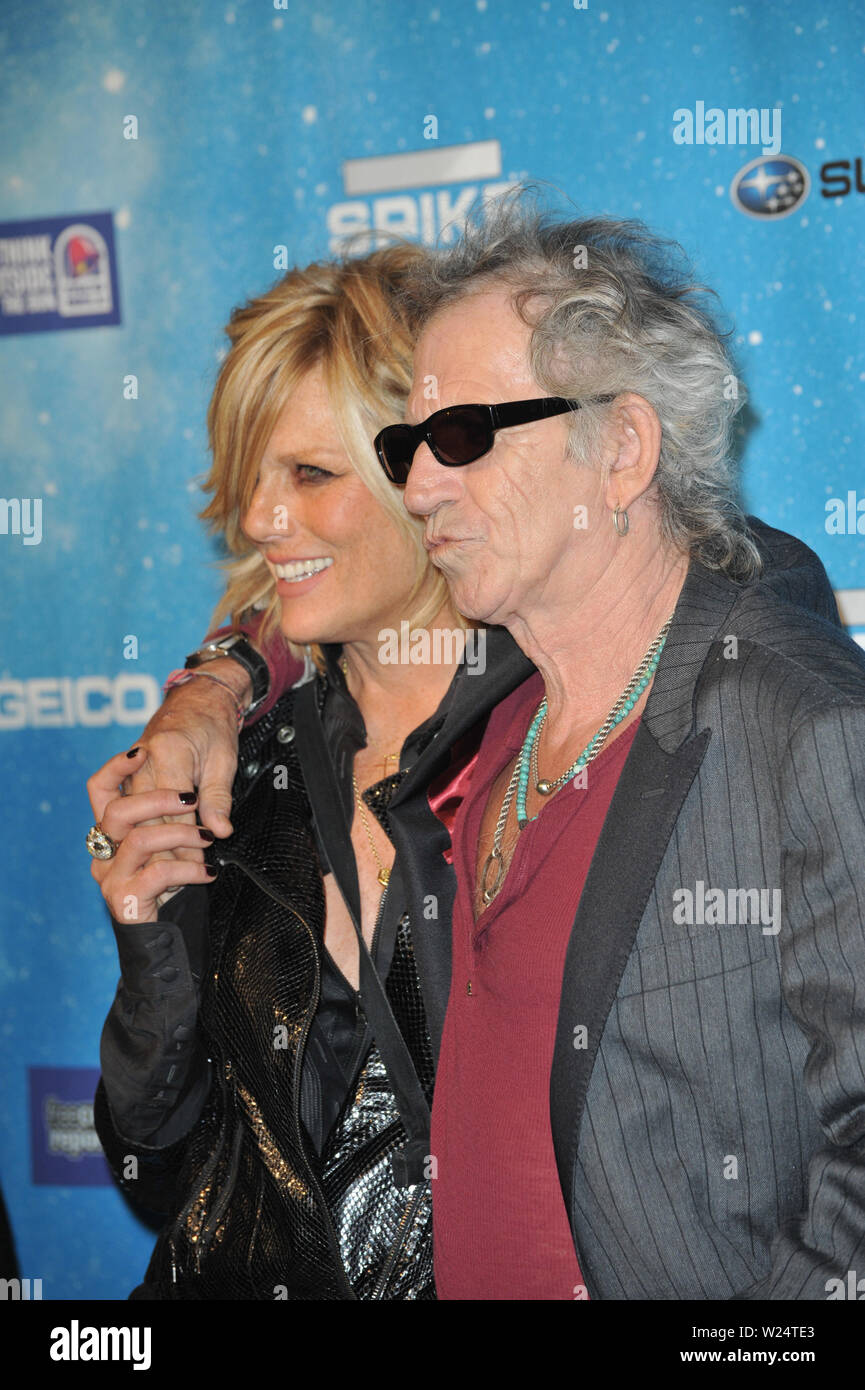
[62,702]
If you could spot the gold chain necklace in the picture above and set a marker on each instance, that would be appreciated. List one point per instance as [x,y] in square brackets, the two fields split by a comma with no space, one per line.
[383,870]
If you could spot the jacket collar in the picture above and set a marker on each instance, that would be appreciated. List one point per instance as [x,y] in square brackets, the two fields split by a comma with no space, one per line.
[792,574]
[470,697]
[705,600]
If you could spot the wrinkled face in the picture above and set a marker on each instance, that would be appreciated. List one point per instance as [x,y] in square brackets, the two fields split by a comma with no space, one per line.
[502,529]
[343,570]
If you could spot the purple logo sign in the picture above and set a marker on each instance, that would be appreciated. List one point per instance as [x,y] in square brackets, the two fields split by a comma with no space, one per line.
[64,1145]
[58,272]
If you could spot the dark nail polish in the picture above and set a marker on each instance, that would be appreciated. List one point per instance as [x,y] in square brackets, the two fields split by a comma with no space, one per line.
[206,834]
[212,870]
[188,798]
[133,751]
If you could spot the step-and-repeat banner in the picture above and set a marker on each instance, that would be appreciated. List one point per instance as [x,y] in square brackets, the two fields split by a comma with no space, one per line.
[161,163]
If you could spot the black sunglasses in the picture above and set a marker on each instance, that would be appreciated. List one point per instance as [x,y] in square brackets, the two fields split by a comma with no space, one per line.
[459,434]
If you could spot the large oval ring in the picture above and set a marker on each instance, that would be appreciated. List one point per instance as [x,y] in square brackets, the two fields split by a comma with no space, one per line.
[100,845]
[493,858]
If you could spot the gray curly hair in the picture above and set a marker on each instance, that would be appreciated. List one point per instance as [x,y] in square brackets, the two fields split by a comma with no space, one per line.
[613,308]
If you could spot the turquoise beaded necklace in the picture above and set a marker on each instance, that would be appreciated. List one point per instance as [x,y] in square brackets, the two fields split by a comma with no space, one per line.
[528,759]
[623,706]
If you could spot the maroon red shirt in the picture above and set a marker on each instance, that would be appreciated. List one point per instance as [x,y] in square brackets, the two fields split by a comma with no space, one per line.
[501,1230]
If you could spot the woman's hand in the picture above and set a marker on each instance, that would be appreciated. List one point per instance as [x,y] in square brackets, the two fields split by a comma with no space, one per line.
[145,871]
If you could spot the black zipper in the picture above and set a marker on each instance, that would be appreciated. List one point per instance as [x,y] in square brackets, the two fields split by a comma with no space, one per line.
[405,1226]
[211,1225]
[201,1180]
[378,916]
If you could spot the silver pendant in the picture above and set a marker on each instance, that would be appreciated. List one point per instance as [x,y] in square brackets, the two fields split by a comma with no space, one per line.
[494,857]
[544,788]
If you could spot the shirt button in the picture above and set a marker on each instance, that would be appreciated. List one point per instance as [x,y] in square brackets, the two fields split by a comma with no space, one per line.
[285,734]
[252,768]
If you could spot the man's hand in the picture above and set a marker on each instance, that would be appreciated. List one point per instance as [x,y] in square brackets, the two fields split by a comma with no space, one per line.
[191,741]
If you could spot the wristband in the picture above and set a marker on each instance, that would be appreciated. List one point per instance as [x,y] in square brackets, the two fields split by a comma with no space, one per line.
[240,649]
[181,677]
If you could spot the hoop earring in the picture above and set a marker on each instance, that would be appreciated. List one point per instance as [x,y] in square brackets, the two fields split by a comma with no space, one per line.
[624,531]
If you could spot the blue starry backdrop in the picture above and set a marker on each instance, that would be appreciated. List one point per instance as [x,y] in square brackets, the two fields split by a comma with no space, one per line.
[157,162]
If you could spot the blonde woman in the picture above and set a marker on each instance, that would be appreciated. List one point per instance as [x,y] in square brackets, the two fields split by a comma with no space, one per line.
[240,1066]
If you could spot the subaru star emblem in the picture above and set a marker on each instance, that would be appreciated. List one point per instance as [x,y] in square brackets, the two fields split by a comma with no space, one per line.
[770,186]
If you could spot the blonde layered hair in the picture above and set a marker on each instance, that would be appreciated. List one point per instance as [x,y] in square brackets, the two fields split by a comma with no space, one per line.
[350,318]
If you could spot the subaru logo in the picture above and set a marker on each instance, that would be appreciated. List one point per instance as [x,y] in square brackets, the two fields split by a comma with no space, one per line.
[770,186]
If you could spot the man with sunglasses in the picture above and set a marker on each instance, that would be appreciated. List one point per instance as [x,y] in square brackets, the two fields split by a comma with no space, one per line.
[639,921]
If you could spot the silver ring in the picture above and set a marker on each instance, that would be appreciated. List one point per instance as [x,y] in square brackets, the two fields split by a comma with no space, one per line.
[100,845]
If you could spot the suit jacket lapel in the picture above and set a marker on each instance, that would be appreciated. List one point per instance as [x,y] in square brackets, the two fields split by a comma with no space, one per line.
[662,763]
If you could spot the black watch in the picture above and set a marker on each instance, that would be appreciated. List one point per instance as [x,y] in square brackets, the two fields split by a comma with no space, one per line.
[240,649]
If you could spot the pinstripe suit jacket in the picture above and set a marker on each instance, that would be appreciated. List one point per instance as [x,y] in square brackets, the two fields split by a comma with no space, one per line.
[710,1134]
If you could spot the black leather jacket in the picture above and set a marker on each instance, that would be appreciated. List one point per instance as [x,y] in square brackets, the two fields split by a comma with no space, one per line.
[242,1094]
